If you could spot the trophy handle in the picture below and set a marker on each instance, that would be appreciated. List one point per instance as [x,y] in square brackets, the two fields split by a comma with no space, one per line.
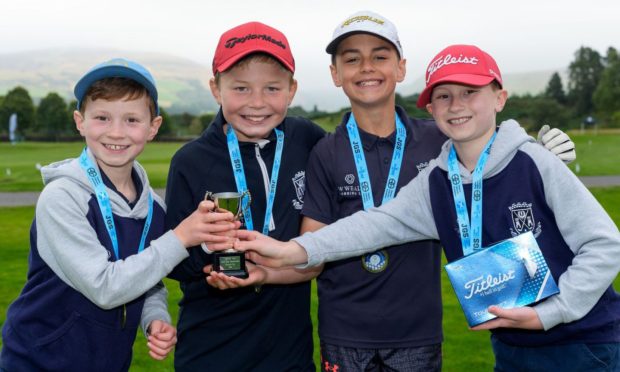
[209,197]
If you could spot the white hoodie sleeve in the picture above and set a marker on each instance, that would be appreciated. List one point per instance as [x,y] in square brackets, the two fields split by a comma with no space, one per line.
[408,217]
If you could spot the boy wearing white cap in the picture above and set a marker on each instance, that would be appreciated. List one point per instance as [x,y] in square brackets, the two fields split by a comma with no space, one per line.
[98,245]
[526,189]
[374,152]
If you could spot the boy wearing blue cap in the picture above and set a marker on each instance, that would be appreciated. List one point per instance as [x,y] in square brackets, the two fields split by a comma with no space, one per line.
[91,281]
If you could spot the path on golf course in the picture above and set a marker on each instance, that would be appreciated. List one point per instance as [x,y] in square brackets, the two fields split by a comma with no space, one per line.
[14,199]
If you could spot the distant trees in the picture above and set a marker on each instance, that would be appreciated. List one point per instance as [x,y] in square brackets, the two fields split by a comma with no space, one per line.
[53,118]
[592,89]
[606,96]
[555,89]
[584,73]
[18,101]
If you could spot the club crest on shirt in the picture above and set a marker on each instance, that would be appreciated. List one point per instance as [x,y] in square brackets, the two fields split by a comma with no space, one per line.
[523,219]
[299,182]
[375,262]
[349,189]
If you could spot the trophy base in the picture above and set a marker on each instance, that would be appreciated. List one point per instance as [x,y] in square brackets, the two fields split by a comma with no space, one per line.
[230,263]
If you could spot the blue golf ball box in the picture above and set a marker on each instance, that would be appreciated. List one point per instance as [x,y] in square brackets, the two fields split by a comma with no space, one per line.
[511,273]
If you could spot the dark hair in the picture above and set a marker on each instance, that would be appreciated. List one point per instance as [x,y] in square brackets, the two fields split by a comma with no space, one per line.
[116,88]
[257,57]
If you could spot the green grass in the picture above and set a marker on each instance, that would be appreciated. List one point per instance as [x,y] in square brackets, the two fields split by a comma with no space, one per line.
[18,162]
[463,349]
[597,155]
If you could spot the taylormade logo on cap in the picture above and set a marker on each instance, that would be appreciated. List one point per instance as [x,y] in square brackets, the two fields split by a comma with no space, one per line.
[248,38]
[230,43]
[365,22]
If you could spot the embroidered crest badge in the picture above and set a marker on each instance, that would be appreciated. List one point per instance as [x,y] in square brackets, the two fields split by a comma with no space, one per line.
[523,219]
[299,182]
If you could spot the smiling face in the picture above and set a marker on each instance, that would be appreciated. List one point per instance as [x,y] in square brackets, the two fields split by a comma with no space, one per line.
[466,114]
[368,69]
[117,130]
[254,96]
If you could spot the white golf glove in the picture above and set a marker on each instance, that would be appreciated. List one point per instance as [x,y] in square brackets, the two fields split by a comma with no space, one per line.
[558,142]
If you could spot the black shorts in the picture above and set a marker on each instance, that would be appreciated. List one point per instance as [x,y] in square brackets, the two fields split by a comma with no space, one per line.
[344,359]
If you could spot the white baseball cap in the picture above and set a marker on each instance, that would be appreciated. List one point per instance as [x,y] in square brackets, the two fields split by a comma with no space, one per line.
[365,22]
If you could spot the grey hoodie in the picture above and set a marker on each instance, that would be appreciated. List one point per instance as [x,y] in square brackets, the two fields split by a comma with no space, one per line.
[71,248]
[570,214]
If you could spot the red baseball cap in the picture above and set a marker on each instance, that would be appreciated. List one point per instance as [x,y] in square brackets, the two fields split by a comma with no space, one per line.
[460,64]
[248,38]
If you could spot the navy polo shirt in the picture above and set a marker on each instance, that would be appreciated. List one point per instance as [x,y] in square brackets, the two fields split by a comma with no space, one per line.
[365,306]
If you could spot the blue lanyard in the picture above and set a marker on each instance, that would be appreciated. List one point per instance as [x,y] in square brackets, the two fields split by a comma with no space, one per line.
[471,236]
[92,172]
[362,169]
[237,164]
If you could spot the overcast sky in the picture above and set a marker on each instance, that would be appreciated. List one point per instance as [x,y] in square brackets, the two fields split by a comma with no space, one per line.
[522,35]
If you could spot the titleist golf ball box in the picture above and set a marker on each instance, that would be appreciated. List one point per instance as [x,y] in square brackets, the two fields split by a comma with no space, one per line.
[511,273]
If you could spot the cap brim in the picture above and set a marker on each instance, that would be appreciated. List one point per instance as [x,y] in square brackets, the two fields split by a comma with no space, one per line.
[234,59]
[333,45]
[113,71]
[465,79]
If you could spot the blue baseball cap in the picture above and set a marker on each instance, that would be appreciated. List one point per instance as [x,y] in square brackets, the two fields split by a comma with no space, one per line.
[117,67]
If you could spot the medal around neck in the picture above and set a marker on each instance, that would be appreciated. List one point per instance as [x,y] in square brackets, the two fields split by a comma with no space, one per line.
[511,273]
[230,262]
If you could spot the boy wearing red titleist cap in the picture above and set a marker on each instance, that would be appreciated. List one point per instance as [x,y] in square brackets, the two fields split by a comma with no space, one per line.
[522,188]
[98,245]
[246,329]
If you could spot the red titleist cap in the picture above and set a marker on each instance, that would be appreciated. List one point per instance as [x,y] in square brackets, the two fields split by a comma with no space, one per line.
[461,64]
[248,38]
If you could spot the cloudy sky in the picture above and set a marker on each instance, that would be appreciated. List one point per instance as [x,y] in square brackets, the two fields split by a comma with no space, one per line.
[522,35]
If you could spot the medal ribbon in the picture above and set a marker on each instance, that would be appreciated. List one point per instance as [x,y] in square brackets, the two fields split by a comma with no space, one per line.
[362,169]
[237,165]
[471,235]
[103,199]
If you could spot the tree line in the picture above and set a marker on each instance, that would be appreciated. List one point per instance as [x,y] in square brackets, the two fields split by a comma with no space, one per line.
[592,89]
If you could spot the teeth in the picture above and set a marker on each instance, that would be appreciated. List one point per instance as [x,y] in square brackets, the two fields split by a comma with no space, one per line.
[256,118]
[458,121]
[368,83]
[116,147]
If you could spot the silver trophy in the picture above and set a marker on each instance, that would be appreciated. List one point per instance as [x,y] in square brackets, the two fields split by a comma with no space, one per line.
[230,262]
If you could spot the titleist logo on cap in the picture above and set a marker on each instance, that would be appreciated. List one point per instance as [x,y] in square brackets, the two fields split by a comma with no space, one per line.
[230,43]
[442,61]
[362,19]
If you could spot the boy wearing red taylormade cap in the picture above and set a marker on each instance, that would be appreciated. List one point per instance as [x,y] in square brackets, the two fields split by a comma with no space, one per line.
[250,328]
[509,186]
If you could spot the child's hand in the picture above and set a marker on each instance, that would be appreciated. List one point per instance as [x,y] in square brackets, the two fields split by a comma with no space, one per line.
[256,276]
[161,340]
[558,142]
[269,252]
[215,228]
[518,317]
